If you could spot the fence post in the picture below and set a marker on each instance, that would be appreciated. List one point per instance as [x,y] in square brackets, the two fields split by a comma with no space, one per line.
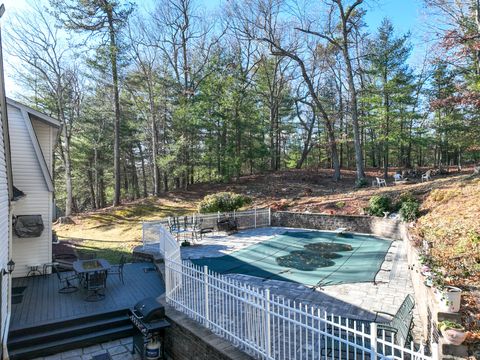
[373,341]
[143,234]
[233,214]
[435,354]
[160,233]
[268,340]
[269,217]
[218,215]
[205,282]
[255,217]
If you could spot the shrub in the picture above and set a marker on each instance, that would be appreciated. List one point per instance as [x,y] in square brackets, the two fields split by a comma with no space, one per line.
[340,204]
[409,210]
[379,204]
[223,202]
[406,197]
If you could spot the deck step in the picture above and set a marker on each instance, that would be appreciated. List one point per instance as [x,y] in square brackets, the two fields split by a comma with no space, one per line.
[76,342]
[52,338]
[66,332]
[53,325]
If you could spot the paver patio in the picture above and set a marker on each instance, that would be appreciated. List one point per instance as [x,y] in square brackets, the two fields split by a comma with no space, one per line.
[356,300]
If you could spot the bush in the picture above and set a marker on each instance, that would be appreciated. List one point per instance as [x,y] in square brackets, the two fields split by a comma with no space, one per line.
[379,204]
[409,210]
[406,197]
[340,204]
[223,202]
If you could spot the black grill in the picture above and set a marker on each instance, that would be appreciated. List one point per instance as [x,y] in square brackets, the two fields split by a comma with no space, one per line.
[148,317]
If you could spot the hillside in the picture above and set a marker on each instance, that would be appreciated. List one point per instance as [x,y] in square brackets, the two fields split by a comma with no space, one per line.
[448,219]
[294,190]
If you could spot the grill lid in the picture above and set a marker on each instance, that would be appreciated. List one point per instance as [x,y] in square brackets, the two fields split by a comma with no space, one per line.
[149,309]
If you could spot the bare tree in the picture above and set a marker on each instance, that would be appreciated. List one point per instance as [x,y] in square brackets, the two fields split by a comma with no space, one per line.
[46,63]
[342,18]
[186,40]
[146,56]
[260,20]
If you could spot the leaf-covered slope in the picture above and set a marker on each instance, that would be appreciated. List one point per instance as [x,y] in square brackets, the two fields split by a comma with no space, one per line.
[452,224]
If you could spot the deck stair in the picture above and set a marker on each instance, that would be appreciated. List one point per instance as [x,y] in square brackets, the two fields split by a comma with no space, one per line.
[55,337]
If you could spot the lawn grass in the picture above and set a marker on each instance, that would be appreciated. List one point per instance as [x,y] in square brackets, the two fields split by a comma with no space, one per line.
[114,232]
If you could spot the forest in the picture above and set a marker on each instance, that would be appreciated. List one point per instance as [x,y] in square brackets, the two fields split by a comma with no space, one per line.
[155,98]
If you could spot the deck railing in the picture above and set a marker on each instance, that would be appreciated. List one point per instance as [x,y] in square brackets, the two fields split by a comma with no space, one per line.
[268,326]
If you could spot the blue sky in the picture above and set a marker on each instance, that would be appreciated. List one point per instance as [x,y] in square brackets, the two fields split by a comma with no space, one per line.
[406,16]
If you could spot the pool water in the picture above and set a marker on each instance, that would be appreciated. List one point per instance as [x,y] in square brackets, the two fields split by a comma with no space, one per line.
[315,258]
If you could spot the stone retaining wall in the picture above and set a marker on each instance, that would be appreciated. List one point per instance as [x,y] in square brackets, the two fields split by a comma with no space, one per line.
[186,339]
[428,306]
[389,228]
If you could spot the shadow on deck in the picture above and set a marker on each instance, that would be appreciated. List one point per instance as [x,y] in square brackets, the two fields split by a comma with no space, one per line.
[40,303]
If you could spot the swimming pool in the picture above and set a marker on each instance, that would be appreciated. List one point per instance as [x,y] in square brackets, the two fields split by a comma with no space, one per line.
[315,258]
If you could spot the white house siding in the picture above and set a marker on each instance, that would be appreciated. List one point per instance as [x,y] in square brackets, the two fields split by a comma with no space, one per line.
[28,177]
[44,135]
[4,234]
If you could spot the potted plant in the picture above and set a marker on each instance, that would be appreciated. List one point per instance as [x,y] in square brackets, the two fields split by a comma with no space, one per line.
[452,332]
[449,298]
[428,281]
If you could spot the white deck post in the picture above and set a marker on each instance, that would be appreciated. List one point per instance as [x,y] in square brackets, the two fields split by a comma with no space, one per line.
[435,354]
[268,339]
[255,217]
[205,282]
[269,217]
[373,341]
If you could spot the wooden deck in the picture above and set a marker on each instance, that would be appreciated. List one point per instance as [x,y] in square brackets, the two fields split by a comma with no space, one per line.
[41,303]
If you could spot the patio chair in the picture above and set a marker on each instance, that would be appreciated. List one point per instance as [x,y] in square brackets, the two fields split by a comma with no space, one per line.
[199,228]
[400,323]
[173,224]
[427,176]
[64,261]
[381,182]
[66,281]
[398,178]
[96,284]
[118,269]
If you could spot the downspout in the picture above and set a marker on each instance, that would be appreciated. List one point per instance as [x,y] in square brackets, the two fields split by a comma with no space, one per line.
[8,160]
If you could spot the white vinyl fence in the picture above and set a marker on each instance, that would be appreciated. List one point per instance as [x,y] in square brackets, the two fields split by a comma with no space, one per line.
[152,231]
[268,326]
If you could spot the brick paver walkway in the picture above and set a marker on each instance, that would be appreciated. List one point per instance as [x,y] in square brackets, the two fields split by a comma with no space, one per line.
[118,350]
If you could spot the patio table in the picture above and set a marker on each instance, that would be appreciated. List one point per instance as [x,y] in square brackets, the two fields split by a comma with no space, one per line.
[94,272]
[90,266]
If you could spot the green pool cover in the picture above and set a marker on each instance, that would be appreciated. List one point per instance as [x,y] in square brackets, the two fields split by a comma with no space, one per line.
[307,257]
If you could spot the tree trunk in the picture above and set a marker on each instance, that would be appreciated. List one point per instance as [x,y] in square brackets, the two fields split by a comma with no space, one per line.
[351,88]
[387,130]
[93,201]
[156,171]
[354,110]
[144,177]
[116,100]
